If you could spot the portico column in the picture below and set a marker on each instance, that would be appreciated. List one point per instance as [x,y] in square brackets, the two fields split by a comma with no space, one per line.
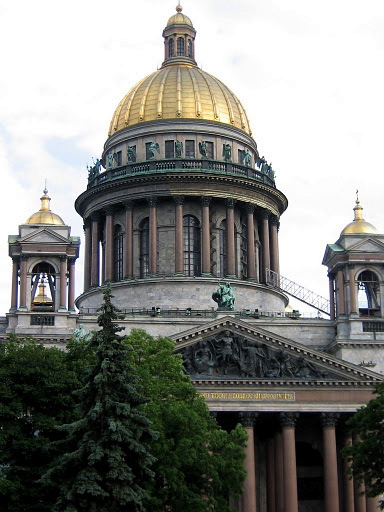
[179,239]
[109,244]
[15,271]
[63,282]
[274,231]
[265,246]
[249,496]
[279,472]
[128,260]
[231,267]
[340,288]
[152,236]
[352,289]
[360,501]
[95,251]
[251,257]
[349,501]
[288,421]
[206,237]
[271,488]
[71,285]
[331,296]
[331,484]
[87,254]
[373,504]
[23,281]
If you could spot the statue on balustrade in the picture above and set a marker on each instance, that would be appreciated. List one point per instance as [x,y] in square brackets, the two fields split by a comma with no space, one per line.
[178,148]
[227,152]
[131,153]
[94,170]
[153,146]
[203,149]
[224,297]
[111,158]
[248,158]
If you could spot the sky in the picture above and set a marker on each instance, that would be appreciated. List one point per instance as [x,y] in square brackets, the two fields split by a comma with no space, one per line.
[310,75]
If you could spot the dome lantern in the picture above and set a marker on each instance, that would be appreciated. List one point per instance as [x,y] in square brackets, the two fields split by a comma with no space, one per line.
[179,39]
[359,226]
[45,215]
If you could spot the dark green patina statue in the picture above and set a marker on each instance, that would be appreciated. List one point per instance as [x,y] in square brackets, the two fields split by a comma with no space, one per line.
[224,297]
[203,149]
[178,149]
[131,153]
[227,152]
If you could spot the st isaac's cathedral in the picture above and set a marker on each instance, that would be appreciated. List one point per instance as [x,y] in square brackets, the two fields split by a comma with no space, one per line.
[182,216]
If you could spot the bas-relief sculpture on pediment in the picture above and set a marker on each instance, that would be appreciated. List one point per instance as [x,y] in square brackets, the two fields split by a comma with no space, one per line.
[229,355]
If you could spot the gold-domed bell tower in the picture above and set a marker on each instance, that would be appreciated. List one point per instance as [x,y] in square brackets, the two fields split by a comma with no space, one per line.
[356,282]
[179,39]
[43,256]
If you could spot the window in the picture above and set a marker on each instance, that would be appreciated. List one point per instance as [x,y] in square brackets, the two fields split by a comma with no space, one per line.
[189,48]
[169,149]
[209,150]
[171,48]
[118,159]
[118,271]
[189,149]
[191,234]
[223,248]
[180,46]
[368,297]
[144,248]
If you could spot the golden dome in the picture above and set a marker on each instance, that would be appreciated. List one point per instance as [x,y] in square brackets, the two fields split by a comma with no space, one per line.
[359,226]
[179,18]
[45,215]
[179,91]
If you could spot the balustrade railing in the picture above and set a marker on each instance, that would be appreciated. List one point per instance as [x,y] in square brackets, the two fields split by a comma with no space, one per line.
[181,165]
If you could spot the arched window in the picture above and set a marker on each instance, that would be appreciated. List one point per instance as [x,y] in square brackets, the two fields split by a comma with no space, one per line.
[368,297]
[144,248]
[43,287]
[223,248]
[191,233]
[189,48]
[171,48]
[118,271]
[180,46]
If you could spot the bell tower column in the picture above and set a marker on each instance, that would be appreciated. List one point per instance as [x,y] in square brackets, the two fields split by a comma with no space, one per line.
[352,289]
[340,294]
[15,274]
[23,281]
[71,284]
[63,282]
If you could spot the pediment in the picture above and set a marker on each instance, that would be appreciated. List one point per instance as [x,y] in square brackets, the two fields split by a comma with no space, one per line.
[368,245]
[231,349]
[43,236]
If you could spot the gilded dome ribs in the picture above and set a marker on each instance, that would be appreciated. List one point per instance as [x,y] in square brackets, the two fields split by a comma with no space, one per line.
[179,96]
[214,104]
[196,93]
[229,106]
[129,104]
[161,94]
[144,98]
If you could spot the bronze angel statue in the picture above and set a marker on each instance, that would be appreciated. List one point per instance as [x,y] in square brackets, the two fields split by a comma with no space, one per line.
[227,152]
[153,146]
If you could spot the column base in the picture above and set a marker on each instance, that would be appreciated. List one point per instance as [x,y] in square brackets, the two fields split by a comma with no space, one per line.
[206,274]
[152,275]
[62,308]
[231,276]
[13,309]
[128,278]
[179,274]
[22,308]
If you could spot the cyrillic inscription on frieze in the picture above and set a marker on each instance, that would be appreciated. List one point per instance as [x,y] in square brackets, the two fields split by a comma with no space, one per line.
[258,396]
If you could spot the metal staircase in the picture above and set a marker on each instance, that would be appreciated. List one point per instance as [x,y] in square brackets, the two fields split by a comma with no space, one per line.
[284,284]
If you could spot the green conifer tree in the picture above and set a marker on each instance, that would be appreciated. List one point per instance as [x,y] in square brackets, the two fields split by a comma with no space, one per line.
[109,463]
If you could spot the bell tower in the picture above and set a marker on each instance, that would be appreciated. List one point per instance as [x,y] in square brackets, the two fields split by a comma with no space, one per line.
[356,283]
[43,276]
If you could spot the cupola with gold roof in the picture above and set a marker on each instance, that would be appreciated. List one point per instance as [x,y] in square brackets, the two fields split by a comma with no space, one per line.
[359,226]
[179,89]
[45,215]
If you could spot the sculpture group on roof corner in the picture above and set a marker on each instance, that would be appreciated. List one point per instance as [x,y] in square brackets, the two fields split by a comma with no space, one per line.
[230,355]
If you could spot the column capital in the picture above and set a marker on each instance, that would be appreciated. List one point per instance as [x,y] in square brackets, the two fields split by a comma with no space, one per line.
[250,207]
[63,258]
[274,221]
[128,205]
[23,257]
[340,267]
[95,217]
[87,223]
[350,266]
[329,419]
[152,201]
[15,259]
[288,419]
[71,260]
[265,214]
[179,200]
[109,210]
[230,203]
[248,419]
[206,200]
[331,275]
